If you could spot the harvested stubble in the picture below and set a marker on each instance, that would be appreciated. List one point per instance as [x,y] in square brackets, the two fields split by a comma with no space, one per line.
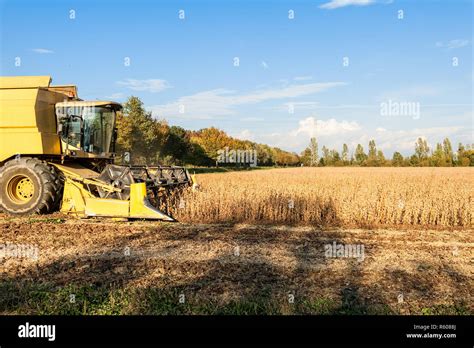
[334,197]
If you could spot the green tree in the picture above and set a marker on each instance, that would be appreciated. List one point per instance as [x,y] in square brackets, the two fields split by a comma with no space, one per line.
[326,159]
[314,152]
[422,151]
[345,154]
[438,158]
[360,155]
[372,156]
[306,157]
[178,145]
[380,160]
[372,150]
[448,152]
[139,133]
[465,155]
[414,161]
[397,159]
[335,158]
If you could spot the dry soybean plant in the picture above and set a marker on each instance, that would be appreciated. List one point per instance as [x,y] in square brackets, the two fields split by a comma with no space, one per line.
[334,197]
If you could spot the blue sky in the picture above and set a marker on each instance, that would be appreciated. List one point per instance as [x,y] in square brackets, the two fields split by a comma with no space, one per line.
[292,80]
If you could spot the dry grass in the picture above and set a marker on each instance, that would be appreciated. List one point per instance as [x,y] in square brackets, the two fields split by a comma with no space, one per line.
[335,196]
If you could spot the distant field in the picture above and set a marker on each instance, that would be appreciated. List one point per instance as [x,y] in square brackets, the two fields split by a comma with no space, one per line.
[355,197]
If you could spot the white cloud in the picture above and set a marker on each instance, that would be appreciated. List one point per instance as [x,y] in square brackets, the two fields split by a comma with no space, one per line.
[404,140]
[203,105]
[333,134]
[220,102]
[457,43]
[264,65]
[291,91]
[150,85]
[312,127]
[245,135]
[333,4]
[115,96]
[42,50]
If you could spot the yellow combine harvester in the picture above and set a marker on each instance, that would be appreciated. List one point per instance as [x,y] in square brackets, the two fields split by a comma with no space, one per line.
[57,152]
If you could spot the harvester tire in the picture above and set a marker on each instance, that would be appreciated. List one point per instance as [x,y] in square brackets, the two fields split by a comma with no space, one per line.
[29,186]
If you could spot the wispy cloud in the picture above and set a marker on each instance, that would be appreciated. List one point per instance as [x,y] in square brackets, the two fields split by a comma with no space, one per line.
[115,96]
[264,65]
[293,107]
[220,102]
[42,50]
[149,85]
[311,127]
[457,43]
[333,4]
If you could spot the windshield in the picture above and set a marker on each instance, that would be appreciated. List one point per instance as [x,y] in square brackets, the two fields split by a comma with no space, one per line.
[98,129]
[92,128]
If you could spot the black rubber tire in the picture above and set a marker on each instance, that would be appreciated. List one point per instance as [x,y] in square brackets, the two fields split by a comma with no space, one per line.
[45,180]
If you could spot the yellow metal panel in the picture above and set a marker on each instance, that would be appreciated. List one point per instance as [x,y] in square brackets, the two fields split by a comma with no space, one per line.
[24,81]
[27,117]
[140,207]
[106,207]
[76,170]
[69,90]
[27,141]
[80,202]
[17,107]
[74,196]
[45,110]
[51,144]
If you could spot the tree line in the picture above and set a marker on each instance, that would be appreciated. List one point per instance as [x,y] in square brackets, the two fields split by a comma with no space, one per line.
[152,141]
[442,155]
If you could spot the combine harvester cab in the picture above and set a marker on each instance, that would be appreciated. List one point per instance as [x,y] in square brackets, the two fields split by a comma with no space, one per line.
[57,152]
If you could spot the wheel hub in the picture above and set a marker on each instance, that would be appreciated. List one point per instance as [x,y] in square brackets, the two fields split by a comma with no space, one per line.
[20,189]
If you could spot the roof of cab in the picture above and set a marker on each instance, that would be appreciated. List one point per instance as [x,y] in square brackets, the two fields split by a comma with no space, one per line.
[78,103]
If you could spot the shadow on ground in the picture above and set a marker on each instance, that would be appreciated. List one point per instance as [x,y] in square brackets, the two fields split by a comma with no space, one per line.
[112,282]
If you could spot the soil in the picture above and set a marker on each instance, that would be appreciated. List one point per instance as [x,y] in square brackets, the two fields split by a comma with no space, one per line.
[406,270]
